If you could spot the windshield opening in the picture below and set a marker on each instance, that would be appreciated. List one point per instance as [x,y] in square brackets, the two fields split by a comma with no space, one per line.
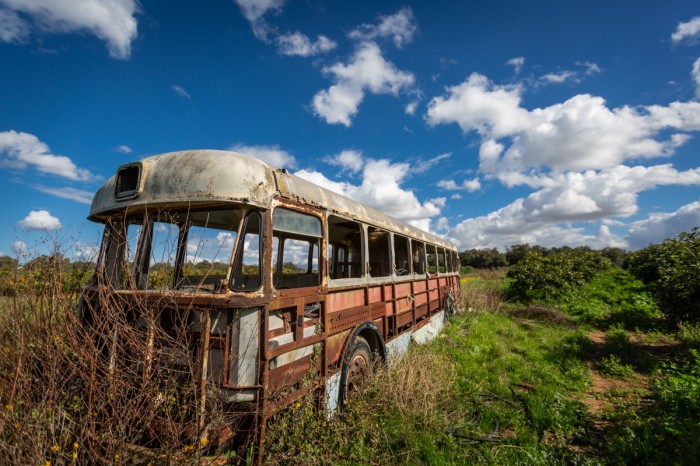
[182,250]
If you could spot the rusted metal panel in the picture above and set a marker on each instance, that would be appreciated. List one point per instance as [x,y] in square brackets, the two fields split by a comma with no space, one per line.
[374,294]
[344,300]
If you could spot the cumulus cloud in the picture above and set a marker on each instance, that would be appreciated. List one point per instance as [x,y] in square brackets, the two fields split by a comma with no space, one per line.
[661,225]
[517,63]
[270,154]
[381,188]
[255,10]
[40,220]
[688,31]
[367,71]
[19,248]
[411,107]
[580,133]
[113,21]
[399,27]
[124,149]
[350,160]
[20,150]
[179,90]
[77,195]
[298,44]
[569,198]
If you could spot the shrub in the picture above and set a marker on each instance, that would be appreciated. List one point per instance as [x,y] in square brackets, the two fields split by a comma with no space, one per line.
[672,270]
[540,276]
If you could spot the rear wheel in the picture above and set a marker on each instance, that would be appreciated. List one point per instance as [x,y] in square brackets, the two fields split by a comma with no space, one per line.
[449,306]
[356,369]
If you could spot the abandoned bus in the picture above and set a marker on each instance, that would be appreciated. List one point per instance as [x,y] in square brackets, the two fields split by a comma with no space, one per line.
[270,276]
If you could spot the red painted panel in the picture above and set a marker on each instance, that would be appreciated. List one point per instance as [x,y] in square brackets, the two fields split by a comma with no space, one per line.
[345,300]
[375,294]
[403,304]
[419,286]
[403,289]
[421,299]
[388,293]
[389,308]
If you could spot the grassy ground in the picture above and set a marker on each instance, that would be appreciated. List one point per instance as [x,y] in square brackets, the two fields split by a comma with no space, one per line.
[596,378]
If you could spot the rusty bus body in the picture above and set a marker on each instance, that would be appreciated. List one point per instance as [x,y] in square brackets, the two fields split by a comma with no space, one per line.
[305,276]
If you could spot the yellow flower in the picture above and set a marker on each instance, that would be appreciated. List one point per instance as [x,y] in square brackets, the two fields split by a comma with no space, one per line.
[8,407]
[48,463]
[75,446]
[188,448]
[55,449]
[204,441]
[75,455]
[298,405]
[116,458]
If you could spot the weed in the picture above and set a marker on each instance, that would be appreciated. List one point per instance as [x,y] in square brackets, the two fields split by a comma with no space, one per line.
[689,334]
[612,366]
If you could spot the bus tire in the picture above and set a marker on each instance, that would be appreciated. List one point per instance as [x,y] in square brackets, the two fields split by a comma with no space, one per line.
[357,368]
[450,307]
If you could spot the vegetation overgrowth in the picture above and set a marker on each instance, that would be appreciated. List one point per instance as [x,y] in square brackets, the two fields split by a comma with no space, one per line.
[564,358]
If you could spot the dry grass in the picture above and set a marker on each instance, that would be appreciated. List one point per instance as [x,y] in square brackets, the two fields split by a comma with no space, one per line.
[483,291]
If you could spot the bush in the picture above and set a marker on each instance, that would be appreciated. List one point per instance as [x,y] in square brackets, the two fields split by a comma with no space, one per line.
[672,271]
[540,276]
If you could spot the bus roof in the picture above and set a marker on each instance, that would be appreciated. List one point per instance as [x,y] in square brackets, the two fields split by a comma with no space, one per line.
[213,176]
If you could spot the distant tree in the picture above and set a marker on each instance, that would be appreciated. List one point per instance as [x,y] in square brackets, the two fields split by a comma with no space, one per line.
[483,258]
[616,255]
[516,252]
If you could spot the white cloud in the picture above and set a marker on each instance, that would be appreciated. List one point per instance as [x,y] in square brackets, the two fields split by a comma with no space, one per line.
[298,44]
[411,107]
[12,27]
[351,160]
[687,31]
[580,133]
[367,71]
[255,10]
[456,196]
[568,198]
[270,154]
[113,21]
[467,185]
[695,73]
[400,27]
[77,195]
[381,188]
[558,78]
[179,90]
[659,226]
[123,149]
[517,63]
[424,165]
[19,150]
[591,68]
[19,248]
[86,252]
[439,201]
[40,220]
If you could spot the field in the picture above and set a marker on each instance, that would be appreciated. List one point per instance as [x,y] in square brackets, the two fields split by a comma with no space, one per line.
[595,373]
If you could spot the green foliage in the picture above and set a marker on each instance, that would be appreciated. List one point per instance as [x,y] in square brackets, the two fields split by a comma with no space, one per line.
[614,296]
[689,333]
[483,258]
[539,276]
[613,366]
[672,270]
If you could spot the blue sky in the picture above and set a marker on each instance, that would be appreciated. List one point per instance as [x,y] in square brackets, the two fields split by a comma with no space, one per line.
[491,123]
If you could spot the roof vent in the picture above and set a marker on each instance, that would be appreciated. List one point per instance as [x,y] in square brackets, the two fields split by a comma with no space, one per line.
[128,181]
